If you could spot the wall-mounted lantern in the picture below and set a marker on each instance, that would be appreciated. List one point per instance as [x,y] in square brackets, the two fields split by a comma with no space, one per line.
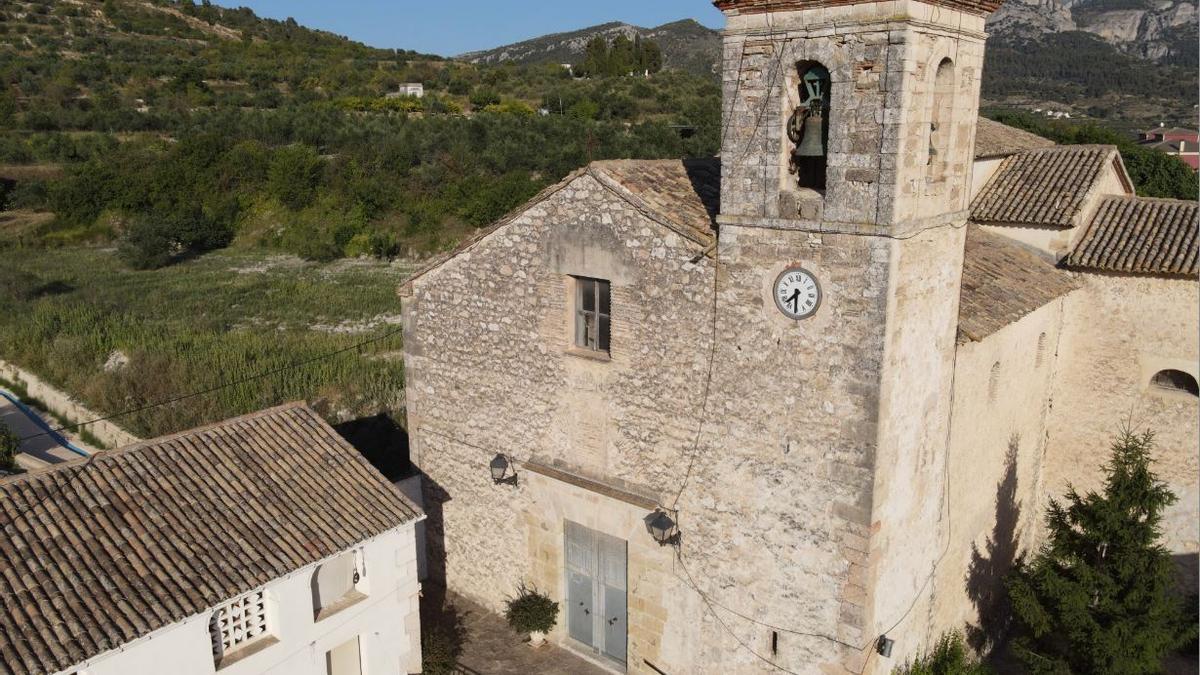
[883,646]
[662,527]
[500,466]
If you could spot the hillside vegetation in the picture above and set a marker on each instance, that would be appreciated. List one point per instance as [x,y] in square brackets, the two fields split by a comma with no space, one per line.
[136,137]
[177,128]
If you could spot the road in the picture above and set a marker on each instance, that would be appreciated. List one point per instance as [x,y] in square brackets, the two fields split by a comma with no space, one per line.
[42,448]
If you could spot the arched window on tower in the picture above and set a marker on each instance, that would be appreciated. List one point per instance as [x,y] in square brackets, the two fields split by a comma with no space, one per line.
[940,121]
[808,127]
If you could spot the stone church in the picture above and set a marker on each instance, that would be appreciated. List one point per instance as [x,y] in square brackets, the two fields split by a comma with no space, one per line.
[797,409]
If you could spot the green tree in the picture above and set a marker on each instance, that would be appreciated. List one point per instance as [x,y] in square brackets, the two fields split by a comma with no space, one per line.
[10,443]
[294,174]
[153,241]
[595,57]
[1099,598]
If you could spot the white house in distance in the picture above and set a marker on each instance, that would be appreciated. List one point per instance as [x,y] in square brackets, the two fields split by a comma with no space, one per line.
[411,89]
[264,544]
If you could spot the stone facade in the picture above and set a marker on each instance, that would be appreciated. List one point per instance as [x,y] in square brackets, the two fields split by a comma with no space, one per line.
[835,479]
[1002,401]
[1037,406]
[1104,381]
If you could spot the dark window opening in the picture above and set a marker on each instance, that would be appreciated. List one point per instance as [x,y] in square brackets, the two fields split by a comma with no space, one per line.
[941,118]
[593,314]
[808,127]
[1176,380]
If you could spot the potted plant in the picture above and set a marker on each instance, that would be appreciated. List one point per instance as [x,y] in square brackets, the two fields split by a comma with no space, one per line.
[532,612]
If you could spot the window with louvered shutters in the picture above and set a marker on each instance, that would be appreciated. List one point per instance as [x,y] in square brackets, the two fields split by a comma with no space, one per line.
[238,623]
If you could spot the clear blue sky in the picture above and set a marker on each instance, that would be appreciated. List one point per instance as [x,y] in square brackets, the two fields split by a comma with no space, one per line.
[450,27]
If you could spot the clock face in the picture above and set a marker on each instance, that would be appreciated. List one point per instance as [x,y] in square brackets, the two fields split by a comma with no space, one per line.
[797,293]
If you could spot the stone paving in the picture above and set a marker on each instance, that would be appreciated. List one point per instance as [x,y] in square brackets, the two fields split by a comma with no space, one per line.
[490,647]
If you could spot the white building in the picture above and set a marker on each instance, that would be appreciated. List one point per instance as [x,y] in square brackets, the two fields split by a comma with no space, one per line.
[413,89]
[264,544]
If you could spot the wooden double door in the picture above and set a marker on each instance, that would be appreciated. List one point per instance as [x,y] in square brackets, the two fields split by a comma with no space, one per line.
[597,599]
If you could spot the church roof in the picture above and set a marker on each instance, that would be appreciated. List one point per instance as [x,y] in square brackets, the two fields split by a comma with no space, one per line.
[1140,236]
[99,552]
[682,195]
[995,140]
[1002,282]
[686,193]
[1047,187]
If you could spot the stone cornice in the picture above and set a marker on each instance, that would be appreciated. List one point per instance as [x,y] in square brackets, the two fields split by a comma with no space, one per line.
[979,7]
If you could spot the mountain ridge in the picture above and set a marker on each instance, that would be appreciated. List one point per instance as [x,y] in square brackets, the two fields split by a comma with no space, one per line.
[687,45]
[1133,61]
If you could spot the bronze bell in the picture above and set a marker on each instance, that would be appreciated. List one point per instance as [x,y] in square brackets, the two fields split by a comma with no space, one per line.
[812,144]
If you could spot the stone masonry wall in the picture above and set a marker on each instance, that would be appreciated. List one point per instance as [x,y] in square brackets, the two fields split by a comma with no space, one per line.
[775,513]
[1120,331]
[1002,396]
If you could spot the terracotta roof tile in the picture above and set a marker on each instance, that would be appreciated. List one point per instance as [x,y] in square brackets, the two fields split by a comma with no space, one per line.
[1046,187]
[1002,282]
[1140,236]
[685,193]
[993,139]
[99,552]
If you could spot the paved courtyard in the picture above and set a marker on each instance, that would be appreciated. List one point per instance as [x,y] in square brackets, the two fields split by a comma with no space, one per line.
[490,647]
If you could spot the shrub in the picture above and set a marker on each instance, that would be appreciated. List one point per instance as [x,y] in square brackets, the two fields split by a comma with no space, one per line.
[948,657]
[154,241]
[382,245]
[294,174]
[531,611]
[10,443]
[1099,596]
[438,651]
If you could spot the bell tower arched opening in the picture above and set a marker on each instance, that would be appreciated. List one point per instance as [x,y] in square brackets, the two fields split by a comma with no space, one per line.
[808,126]
[940,122]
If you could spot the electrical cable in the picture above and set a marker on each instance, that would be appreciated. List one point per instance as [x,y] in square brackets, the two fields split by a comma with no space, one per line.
[726,627]
[712,354]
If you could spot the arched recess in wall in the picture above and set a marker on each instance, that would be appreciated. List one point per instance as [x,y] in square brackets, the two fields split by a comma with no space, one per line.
[941,119]
[808,126]
[1176,380]
[994,382]
[1041,351]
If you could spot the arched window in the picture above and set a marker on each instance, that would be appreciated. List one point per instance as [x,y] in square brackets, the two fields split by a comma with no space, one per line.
[994,383]
[808,126]
[1176,380]
[336,585]
[940,121]
[1041,351]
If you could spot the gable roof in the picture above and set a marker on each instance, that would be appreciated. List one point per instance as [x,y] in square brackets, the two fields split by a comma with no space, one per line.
[994,140]
[1140,236]
[1002,282]
[99,552]
[1045,187]
[682,195]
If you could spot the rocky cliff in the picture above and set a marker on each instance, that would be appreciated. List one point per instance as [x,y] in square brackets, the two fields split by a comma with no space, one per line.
[1163,31]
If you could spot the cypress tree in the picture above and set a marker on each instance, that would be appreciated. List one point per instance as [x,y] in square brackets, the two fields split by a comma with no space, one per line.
[1099,596]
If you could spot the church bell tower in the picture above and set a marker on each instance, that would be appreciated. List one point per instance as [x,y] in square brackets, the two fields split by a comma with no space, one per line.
[853,115]
[847,151]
